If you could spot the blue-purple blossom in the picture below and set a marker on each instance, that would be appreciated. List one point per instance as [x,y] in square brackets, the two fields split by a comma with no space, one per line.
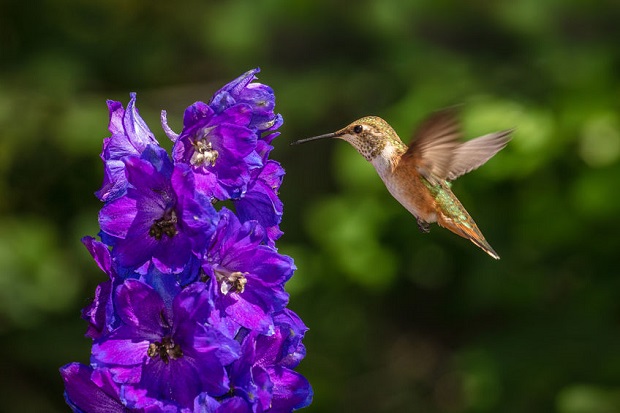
[161,217]
[89,390]
[165,353]
[262,379]
[261,202]
[100,313]
[130,136]
[218,145]
[259,97]
[278,354]
[246,277]
[192,317]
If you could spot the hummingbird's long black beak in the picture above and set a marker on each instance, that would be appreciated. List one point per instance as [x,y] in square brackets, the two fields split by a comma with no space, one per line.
[327,135]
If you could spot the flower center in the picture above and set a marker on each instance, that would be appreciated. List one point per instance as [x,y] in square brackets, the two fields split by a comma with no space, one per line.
[166,350]
[231,281]
[203,153]
[165,225]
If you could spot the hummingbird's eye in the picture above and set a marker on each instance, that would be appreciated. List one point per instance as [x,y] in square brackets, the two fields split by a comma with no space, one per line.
[358,129]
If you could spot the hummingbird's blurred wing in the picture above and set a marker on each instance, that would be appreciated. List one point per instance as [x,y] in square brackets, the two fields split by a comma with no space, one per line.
[434,144]
[471,154]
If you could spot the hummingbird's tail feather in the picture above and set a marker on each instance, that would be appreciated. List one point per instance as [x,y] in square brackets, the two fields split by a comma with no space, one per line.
[468,230]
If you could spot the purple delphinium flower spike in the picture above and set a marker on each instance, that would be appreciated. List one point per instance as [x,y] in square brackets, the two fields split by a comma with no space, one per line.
[192,317]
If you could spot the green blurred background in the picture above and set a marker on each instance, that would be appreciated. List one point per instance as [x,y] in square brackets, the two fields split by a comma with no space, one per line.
[399,321]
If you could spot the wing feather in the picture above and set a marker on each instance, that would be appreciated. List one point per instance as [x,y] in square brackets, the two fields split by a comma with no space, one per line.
[472,154]
[434,144]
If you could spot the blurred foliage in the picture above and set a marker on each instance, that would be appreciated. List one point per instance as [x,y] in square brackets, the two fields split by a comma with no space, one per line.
[400,321]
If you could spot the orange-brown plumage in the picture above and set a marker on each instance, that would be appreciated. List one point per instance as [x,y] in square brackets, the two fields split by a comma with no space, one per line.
[418,175]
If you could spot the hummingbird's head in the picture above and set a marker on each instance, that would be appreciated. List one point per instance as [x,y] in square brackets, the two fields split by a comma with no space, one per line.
[368,135]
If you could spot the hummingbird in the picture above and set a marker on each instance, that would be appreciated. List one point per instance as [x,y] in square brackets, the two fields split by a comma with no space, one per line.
[419,176]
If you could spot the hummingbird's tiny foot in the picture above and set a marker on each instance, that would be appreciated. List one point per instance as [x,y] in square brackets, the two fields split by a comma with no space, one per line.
[424,226]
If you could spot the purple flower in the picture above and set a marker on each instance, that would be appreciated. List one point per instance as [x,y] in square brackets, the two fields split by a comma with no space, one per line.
[161,217]
[261,202]
[192,317]
[130,136]
[91,391]
[163,353]
[235,404]
[217,145]
[246,277]
[100,313]
[262,379]
[285,347]
[277,355]
[259,97]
